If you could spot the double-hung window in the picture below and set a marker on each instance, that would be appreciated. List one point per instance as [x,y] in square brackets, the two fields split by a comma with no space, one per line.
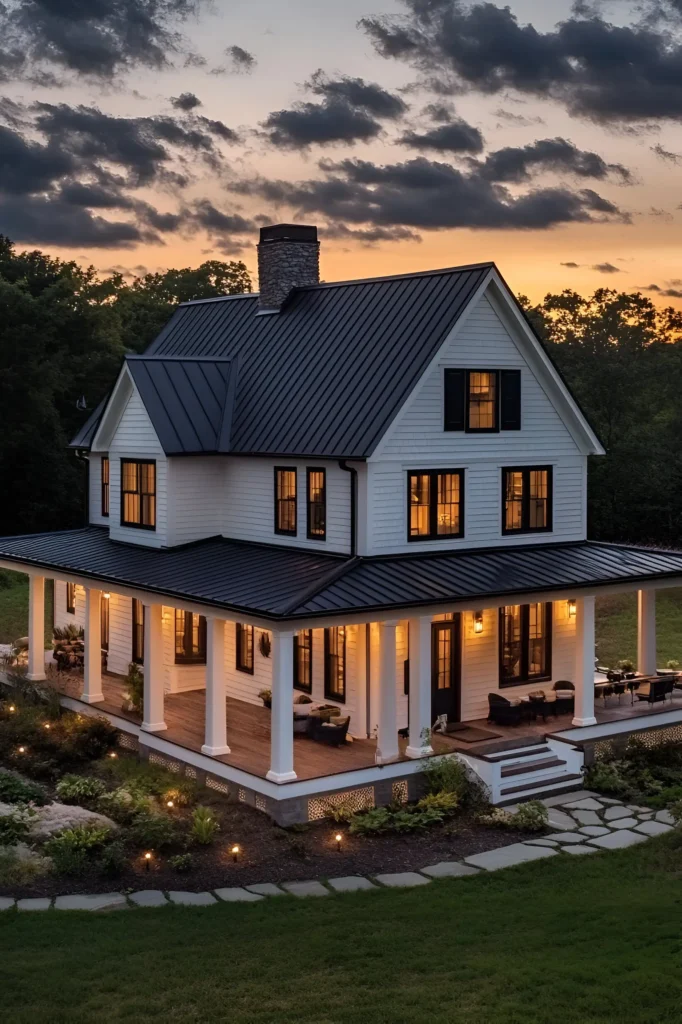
[138,494]
[285,501]
[527,499]
[138,632]
[317,504]
[303,661]
[244,660]
[71,598]
[105,485]
[435,504]
[525,643]
[335,663]
[190,638]
[481,401]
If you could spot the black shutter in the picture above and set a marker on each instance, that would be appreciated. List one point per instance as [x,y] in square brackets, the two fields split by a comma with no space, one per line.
[510,403]
[454,390]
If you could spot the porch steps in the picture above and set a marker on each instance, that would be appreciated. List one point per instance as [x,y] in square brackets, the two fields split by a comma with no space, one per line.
[516,754]
[542,787]
[532,766]
[535,769]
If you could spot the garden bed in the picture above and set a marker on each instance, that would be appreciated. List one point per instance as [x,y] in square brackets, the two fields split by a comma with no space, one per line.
[188,831]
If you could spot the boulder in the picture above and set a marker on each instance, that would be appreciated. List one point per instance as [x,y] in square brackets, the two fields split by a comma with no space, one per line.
[55,817]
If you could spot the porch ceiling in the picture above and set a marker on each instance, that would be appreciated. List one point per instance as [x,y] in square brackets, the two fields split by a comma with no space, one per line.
[288,583]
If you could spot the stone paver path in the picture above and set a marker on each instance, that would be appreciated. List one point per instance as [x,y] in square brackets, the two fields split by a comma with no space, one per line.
[583,824]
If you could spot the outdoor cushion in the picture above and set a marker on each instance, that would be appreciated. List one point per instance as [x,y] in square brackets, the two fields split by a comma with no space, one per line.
[565,693]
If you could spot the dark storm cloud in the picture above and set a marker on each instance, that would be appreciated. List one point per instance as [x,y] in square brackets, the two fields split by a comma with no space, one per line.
[516,163]
[599,70]
[185,101]
[427,195]
[370,236]
[27,166]
[49,221]
[358,93]
[439,111]
[456,137]
[97,38]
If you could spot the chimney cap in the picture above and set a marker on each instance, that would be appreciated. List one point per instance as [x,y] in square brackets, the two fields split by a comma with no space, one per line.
[288,233]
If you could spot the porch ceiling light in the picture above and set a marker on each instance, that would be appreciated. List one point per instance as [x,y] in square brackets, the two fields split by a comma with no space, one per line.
[570,604]
[106,595]
[478,622]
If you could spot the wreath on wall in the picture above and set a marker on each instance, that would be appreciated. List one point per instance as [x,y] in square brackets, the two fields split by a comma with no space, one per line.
[265,644]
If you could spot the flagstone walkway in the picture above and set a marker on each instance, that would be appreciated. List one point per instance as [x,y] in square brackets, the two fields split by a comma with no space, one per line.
[582,822]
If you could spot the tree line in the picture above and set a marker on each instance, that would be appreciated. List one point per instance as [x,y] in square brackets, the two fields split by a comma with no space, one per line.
[64,331]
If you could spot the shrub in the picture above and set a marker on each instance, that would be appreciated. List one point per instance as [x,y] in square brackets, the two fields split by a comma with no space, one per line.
[152,831]
[87,739]
[387,819]
[181,862]
[75,789]
[134,696]
[531,817]
[122,805]
[142,778]
[676,811]
[113,860]
[449,775]
[444,802]
[340,812]
[15,790]
[13,829]
[181,795]
[204,826]
[607,777]
[71,848]
[17,870]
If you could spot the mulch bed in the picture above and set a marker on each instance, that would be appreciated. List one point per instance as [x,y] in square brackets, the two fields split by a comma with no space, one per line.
[274,854]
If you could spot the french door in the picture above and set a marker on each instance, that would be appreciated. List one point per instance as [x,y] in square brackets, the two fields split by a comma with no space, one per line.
[446,662]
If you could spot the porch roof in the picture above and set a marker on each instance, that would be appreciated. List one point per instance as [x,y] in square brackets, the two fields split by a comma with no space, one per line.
[289,583]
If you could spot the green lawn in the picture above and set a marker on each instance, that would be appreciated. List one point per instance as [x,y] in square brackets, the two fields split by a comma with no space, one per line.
[616,627]
[14,607]
[566,941]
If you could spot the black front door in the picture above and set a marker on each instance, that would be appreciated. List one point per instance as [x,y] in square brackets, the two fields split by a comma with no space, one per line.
[445,669]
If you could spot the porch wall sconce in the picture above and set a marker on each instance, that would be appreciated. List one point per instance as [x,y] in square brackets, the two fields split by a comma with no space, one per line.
[478,622]
[570,604]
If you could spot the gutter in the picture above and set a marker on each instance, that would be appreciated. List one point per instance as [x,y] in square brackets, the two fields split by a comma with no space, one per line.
[353,505]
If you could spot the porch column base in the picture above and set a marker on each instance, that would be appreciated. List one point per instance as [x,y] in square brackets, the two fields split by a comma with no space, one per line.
[215,751]
[91,698]
[389,759]
[280,777]
[36,677]
[584,721]
[418,751]
[153,726]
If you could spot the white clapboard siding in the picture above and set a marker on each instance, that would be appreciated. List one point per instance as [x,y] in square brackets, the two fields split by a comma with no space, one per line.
[95,490]
[481,660]
[135,437]
[196,498]
[61,616]
[250,503]
[416,440]
[120,634]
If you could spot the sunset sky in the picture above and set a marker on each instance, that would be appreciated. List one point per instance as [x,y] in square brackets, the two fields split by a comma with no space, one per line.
[145,134]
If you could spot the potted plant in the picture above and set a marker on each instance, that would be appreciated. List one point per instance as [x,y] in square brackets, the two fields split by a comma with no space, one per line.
[133,698]
[266,697]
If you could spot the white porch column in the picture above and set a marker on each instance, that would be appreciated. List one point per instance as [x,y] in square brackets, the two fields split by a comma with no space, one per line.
[420,687]
[92,674]
[153,715]
[387,738]
[216,721]
[646,632]
[282,713]
[36,628]
[584,661]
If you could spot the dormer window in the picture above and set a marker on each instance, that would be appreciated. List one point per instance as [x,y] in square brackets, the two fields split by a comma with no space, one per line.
[285,500]
[481,401]
[138,494]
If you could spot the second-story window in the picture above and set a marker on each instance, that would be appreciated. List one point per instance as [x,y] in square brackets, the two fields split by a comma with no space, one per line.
[285,501]
[190,638]
[317,504]
[435,504]
[527,499]
[71,598]
[244,660]
[481,401]
[105,485]
[138,494]
[303,661]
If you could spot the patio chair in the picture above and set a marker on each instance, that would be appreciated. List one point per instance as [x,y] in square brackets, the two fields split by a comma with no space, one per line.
[502,711]
[655,690]
[333,732]
[565,697]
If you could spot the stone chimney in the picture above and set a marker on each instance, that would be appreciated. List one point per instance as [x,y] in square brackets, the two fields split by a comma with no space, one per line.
[288,257]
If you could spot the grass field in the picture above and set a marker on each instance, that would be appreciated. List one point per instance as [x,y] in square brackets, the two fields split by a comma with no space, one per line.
[14,607]
[587,940]
[616,621]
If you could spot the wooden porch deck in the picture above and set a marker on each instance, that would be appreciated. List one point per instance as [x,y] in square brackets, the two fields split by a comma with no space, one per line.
[248,730]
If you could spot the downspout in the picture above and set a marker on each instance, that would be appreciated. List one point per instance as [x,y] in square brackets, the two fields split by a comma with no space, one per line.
[353,505]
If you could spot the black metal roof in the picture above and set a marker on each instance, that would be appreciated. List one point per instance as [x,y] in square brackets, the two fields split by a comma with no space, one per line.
[326,374]
[83,438]
[189,401]
[282,583]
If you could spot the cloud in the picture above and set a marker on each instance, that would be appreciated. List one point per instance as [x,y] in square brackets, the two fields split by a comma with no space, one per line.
[27,166]
[218,128]
[427,195]
[570,265]
[518,120]
[670,290]
[606,268]
[370,236]
[666,154]
[185,101]
[515,163]
[95,38]
[606,72]
[50,221]
[358,93]
[456,137]
[439,111]
[242,62]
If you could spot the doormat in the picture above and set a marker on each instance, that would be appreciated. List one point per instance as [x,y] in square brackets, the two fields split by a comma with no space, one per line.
[470,733]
